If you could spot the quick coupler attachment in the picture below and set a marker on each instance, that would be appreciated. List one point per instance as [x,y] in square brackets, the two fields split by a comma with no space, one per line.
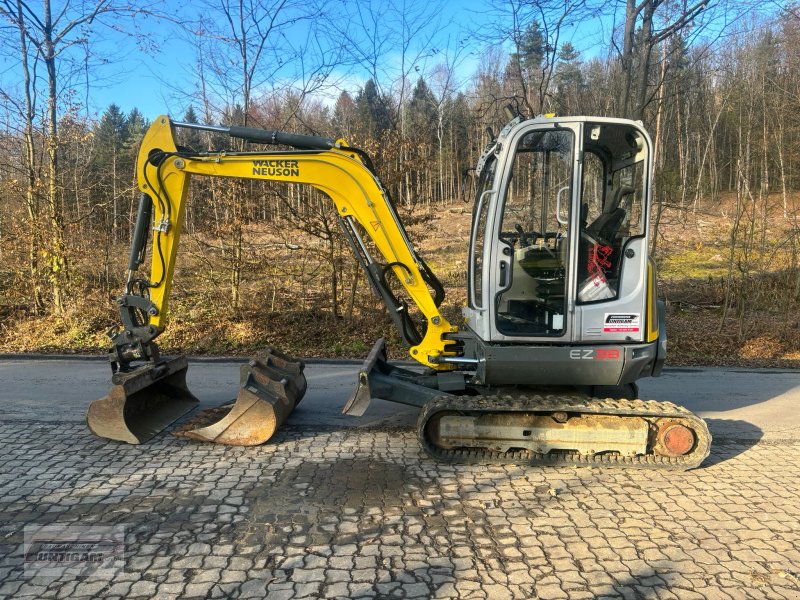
[271,386]
[142,402]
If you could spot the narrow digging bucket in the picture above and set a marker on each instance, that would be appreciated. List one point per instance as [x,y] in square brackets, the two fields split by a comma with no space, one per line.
[271,386]
[143,402]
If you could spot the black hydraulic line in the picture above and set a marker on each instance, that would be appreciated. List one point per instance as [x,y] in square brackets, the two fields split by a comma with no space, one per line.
[139,243]
[376,276]
[430,278]
[367,159]
[362,256]
[398,308]
[281,138]
[267,136]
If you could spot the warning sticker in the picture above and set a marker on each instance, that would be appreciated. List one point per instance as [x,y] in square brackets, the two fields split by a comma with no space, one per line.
[618,323]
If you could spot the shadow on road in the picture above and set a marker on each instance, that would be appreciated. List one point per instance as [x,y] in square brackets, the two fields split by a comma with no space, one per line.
[731,438]
[711,390]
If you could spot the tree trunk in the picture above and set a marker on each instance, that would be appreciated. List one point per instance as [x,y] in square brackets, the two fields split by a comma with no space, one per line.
[236,269]
[334,276]
[645,52]
[31,196]
[351,302]
[59,270]
[627,56]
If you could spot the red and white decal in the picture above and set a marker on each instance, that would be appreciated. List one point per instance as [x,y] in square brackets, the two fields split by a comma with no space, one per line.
[595,354]
[622,323]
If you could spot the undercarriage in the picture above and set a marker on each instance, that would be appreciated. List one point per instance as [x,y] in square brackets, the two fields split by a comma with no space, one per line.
[567,429]
[464,422]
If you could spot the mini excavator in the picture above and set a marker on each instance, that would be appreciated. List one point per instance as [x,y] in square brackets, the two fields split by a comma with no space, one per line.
[562,314]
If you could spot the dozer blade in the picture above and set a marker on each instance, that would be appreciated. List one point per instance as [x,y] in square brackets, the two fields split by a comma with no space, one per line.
[142,402]
[362,396]
[271,386]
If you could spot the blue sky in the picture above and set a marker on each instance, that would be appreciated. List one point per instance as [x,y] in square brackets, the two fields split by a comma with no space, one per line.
[159,82]
[163,79]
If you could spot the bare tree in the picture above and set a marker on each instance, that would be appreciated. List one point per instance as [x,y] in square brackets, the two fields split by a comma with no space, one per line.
[247,48]
[390,42]
[26,110]
[641,34]
[45,37]
[534,29]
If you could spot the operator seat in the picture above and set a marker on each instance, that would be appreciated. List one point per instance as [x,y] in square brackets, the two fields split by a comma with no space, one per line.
[606,226]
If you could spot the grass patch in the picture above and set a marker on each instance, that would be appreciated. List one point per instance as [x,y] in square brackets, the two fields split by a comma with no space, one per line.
[699,262]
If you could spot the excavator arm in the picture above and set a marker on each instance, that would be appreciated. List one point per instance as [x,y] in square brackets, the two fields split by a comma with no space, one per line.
[342,173]
[150,392]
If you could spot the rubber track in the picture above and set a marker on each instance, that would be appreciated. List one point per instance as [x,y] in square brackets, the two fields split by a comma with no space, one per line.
[570,404]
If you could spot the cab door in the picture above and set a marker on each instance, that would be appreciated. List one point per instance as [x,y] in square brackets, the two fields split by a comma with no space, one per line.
[612,268]
[531,275]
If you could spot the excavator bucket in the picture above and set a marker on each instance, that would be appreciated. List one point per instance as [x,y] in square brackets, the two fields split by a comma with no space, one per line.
[271,386]
[142,402]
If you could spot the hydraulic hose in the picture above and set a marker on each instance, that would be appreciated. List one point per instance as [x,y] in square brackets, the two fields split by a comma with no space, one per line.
[139,243]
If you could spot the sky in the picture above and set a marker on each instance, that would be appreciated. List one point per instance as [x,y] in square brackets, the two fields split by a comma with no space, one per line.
[163,79]
[159,82]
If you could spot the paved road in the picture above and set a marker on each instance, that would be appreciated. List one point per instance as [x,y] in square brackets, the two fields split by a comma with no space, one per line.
[742,404]
[348,508]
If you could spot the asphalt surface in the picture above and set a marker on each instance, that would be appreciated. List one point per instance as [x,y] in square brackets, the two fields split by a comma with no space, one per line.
[739,403]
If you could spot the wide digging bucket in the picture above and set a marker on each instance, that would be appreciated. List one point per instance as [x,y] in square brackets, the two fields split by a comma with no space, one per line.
[143,402]
[271,385]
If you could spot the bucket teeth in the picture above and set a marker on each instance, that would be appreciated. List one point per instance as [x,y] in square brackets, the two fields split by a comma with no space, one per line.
[271,385]
[143,402]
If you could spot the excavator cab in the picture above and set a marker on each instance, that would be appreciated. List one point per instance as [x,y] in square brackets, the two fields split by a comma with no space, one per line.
[558,263]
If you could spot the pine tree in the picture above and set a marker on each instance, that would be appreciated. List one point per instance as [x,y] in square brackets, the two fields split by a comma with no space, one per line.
[422,113]
[525,70]
[111,136]
[373,110]
[191,138]
[568,80]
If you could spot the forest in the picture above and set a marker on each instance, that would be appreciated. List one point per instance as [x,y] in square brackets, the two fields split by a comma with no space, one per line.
[717,85]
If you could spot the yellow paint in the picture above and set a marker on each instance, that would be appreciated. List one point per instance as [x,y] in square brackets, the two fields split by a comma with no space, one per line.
[340,175]
[652,312]
[173,192]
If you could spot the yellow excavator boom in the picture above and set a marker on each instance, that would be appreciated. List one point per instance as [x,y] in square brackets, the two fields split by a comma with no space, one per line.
[164,175]
[148,397]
